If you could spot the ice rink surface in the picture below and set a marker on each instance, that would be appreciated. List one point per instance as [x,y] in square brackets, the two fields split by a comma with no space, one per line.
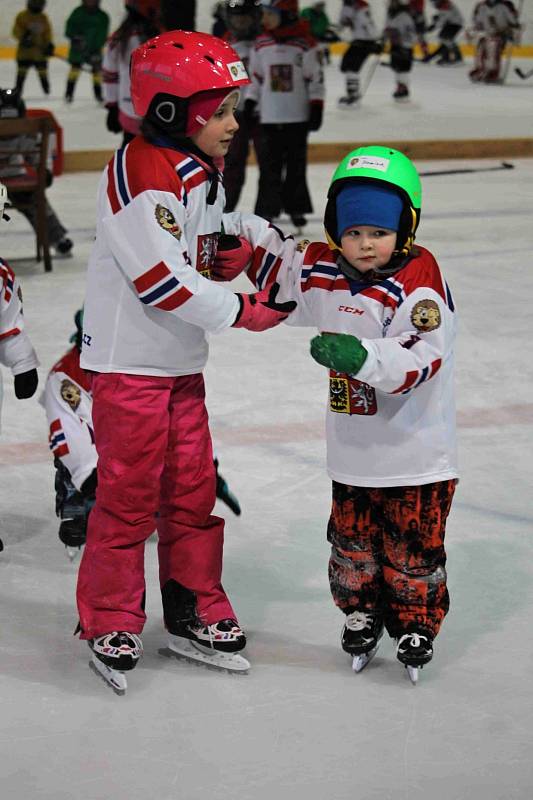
[301,724]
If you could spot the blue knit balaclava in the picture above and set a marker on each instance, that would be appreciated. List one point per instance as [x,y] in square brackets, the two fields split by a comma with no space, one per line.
[368,204]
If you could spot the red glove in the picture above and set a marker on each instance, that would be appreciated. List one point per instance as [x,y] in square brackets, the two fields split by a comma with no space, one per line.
[234,253]
[259,311]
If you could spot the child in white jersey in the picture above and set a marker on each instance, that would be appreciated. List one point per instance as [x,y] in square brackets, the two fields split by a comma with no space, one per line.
[390,324]
[148,305]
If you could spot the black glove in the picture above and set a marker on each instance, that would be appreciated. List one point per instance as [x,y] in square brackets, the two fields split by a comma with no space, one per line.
[26,40]
[49,49]
[26,384]
[249,111]
[377,46]
[112,122]
[88,487]
[315,116]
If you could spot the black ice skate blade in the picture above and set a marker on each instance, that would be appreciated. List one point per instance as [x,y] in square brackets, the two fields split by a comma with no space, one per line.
[113,678]
[234,664]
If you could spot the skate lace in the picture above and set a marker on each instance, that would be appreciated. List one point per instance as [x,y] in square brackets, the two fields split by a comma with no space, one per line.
[415,639]
[358,621]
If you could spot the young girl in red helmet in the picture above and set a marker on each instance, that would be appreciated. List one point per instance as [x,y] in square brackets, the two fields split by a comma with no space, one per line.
[149,304]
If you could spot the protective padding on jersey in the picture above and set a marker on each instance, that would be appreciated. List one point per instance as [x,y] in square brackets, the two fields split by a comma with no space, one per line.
[181,64]
[382,165]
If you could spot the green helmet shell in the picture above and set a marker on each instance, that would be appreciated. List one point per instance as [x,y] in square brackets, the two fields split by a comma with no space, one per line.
[383,165]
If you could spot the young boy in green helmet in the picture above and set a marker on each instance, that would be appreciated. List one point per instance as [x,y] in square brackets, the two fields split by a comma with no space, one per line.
[387,326]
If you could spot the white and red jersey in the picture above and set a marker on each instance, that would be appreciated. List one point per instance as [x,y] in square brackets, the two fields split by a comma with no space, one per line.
[16,349]
[358,17]
[400,29]
[116,79]
[495,19]
[286,77]
[447,14]
[392,424]
[149,300]
[68,404]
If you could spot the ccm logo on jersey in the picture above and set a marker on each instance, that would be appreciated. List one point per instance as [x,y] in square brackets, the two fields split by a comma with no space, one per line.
[350,310]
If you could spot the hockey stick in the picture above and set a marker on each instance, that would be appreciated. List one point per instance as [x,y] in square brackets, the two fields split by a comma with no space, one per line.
[511,46]
[503,165]
[369,75]
[522,74]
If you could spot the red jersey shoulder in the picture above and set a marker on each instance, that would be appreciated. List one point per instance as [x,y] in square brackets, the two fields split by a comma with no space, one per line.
[422,271]
[318,251]
[70,365]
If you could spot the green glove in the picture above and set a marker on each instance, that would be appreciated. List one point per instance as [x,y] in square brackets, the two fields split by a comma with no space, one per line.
[339,351]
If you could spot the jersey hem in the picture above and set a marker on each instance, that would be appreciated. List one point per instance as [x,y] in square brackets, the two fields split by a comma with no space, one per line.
[404,480]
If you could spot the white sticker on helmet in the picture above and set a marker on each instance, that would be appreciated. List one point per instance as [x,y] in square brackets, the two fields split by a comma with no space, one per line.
[369,162]
[237,70]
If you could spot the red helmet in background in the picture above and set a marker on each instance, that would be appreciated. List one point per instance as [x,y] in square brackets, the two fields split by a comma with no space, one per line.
[169,69]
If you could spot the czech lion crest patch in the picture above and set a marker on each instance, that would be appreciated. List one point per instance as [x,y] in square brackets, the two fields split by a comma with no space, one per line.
[425,316]
[71,394]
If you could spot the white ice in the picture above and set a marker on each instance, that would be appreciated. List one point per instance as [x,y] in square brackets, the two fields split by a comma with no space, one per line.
[301,724]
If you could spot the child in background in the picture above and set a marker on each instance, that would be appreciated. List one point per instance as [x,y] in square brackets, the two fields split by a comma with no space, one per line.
[401,34]
[243,22]
[495,23]
[357,16]
[320,26]
[68,403]
[287,90]
[140,23]
[149,303]
[390,322]
[87,28]
[16,349]
[448,22]
[416,9]
[33,32]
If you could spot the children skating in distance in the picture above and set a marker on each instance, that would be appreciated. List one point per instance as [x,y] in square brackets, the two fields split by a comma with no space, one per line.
[16,349]
[357,16]
[400,34]
[448,21]
[33,33]
[149,304]
[387,326]
[495,23]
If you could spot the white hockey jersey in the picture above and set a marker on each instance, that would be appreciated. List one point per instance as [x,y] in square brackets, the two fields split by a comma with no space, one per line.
[286,76]
[243,48]
[67,401]
[400,30]
[149,299]
[16,349]
[116,80]
[496,19]
[447,14]
[393,424]
[358,17]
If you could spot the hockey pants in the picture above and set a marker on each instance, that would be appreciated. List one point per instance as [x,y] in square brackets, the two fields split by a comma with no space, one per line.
[154,455]
[388,553]
[282,171]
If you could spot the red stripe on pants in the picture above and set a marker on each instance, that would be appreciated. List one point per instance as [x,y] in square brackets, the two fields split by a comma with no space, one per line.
[154,456]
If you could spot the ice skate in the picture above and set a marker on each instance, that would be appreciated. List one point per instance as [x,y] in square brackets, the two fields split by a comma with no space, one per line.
[401,93]
[214,645]
[114,654]
[348,101]
[360,637]
[413,650]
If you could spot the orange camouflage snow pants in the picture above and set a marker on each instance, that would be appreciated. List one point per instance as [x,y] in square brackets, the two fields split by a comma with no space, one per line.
[387,553]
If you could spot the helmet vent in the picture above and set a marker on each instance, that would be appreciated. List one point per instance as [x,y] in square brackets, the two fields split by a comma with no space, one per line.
[178,45]
[211,60]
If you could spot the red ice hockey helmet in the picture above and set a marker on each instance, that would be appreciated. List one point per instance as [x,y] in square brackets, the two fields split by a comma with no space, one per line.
[169,69]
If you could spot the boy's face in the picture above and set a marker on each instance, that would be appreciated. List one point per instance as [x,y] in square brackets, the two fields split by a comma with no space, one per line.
[367,248]
[214,138]
[271,19]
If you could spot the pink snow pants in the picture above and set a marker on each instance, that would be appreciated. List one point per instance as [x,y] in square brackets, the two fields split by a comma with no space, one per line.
[154,455]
